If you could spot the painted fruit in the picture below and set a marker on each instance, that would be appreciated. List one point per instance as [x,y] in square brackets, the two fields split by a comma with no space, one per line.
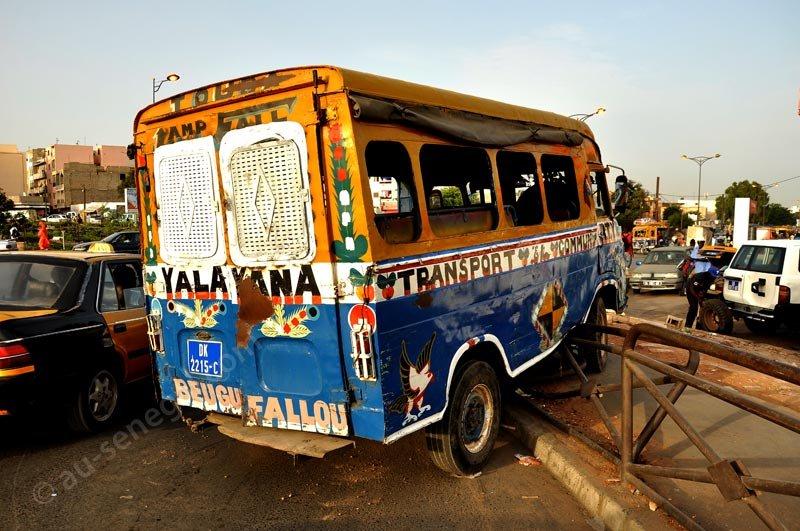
[366,293]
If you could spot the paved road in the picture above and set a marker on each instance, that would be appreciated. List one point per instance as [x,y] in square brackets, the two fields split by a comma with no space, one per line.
[657,305]
[169,477]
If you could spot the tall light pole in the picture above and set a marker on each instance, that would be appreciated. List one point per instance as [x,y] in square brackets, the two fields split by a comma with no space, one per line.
[700,160]
[583,116]
[157,85]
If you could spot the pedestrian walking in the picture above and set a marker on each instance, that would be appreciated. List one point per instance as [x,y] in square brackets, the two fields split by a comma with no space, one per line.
[627,242]
[44,239]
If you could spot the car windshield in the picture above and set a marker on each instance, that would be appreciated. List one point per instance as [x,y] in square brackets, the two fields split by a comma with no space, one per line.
[33,285]
[110,238]
[665,257]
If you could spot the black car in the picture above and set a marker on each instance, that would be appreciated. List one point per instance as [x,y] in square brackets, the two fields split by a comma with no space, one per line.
[72,333]
[126,241]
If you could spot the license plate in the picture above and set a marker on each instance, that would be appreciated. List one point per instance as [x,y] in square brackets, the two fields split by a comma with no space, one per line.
[205,358]
[652,282]
[733,285]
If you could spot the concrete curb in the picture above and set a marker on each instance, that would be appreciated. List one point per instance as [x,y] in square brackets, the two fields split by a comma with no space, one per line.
[600,501]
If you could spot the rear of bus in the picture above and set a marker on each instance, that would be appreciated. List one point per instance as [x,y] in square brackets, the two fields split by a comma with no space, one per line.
[246,187]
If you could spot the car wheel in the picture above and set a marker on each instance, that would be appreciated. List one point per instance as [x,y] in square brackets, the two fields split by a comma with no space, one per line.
[462,441]
[97,401]
[715,316]
[760,327]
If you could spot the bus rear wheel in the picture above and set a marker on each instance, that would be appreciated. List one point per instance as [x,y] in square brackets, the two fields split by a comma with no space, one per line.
[595,358]
[462,441]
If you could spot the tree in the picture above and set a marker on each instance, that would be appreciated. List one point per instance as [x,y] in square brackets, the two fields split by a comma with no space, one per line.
[775,214]
[128,182]
[635,207]
[670,210]
[676,218]
[724,204]
[679,219]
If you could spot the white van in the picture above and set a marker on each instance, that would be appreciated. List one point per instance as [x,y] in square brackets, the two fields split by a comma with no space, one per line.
[762,284]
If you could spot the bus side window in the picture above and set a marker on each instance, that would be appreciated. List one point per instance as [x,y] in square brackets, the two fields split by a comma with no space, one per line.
[560,188]
[460,180]
[519,184]
[391,185]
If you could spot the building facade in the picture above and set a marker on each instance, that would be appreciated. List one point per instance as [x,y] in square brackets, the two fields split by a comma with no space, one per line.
[12,170]
[71,174]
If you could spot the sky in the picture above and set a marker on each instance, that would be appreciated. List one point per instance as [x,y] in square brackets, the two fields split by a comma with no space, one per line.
[675,77]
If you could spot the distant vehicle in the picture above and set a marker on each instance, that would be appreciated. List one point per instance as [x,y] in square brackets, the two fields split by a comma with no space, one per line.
[72,333]
[56,218]
[130,217]
[719,255]
[73,216]
[122,242]
[647,234]
[94,219]
[659,270]
[761,287]
[8,245]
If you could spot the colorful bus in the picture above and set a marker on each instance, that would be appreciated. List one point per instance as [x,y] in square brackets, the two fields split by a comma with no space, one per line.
[347,255]
[648,234]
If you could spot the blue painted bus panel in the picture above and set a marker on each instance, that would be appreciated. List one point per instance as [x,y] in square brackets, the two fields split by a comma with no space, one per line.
[305,382]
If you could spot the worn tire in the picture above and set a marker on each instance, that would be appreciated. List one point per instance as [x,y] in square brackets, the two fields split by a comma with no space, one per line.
[595,358]
[462,441]
[760,327]
[96,402]
[715,316]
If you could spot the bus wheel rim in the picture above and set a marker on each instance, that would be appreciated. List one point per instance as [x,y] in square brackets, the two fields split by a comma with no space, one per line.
[477,417]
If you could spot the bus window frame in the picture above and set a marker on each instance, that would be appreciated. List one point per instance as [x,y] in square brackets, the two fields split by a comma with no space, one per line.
[428,241]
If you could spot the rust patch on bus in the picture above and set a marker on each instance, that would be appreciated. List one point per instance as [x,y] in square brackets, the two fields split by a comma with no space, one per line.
[424,300]
[254,308]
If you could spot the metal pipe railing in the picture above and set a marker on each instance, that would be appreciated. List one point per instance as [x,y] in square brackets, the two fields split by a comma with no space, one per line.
[730,476]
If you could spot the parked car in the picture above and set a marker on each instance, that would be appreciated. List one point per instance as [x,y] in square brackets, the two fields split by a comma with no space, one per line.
[761,286]
[126,241]
[8,245]
[56,218]
[72,334]
[659,270]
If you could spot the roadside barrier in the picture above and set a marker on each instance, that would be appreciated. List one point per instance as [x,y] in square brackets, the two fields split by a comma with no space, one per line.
[730,476]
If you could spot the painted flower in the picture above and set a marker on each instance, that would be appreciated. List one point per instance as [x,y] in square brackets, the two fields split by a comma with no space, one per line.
[336,133]
[338,153]
[341,174]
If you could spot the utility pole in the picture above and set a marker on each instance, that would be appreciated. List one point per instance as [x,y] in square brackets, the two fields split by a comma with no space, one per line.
[658,202]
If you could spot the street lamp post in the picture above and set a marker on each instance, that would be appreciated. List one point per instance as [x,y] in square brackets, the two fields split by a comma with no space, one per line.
[584,116]
[700,161]
[157,85]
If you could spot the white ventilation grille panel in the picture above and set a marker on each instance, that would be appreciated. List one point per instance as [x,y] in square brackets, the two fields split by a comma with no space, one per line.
[270,201]
[187,209]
